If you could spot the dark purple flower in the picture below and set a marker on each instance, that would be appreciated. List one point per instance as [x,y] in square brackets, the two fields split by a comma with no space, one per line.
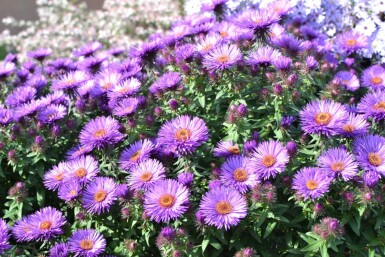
[40,54]
[59,250]
[4,236]
[88,49]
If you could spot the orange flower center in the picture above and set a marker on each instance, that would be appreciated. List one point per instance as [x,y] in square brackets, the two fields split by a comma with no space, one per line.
[240,175]
[146,176]
[107,86]
[380,106]
[86,244]
[223,33]
[100,133]
[135,156]
[223,58]
[45,225]
[166,200]
[348,128]
[233,149]
[376,80]
[323,118]
[268,160]
[73,192]
[69,81]
[311,184]
[59,176]
[100,196]
[81,172]
[375,159]
[337,166]
[223,207]
[207,47]
[183,134]
[351,42]
[124,90]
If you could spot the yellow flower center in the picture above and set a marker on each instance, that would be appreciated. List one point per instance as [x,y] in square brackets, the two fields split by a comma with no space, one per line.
[348,128]
[99,133]
[223,33]
[86,244]
[166,200]
[45,225]
[223,58]
[81,172]
[183,134]
[100,196]
[376,80]
[135,156]
[337,166]
[107,86]
[351,42]
[380,106]
[323,118]
[146,176]
[233,149]
[240,175]
[311,184]
[375,159]
[73,192]
[268,160]
[223,207]
[59,176]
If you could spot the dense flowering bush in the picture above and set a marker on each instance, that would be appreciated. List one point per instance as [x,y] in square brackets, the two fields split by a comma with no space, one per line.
[238,133]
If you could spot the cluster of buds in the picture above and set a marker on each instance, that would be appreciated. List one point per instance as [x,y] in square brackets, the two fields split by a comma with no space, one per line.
[246,252]
[175,239]
[264,193]
[236,112]
[18,191]
[328,228]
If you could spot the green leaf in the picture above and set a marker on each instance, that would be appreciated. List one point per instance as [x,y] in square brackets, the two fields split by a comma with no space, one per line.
[270,227]
[202,101]
[315,246]
[324,251]
[205,243]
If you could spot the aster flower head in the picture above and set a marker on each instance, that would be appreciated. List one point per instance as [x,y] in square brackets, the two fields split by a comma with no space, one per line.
[22,230]
[370,178]
[58,250]
[126,107]
[372,105]
[69,191]
[54,178]
[4,236]
[338,163]
[374,77]
[222,57]
[40,54]
[86,243]
[323,117]
[46,223]
[269,159]
[52,113]
[99,195]
[239,172]
[145,174]
[6,69]
[283,64]
[6,116]
[213,5]
[223,207]
[226,149]
[106,80]
[263,56]
[70,80]
[100,132]
[185,53]
[82,169]
[166,200]
[355,125]
[168,81]
[258,20]
[351,41]
[78,151]
[183,134]
[348,80]
[311,182]
[135,153]
[20,95]
[208,43]
[126,88]
[146,51]
[88,49]
[370,153]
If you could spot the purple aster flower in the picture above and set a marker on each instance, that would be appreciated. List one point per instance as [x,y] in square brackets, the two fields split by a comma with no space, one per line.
[311,182]
[54,178]
[106,81]
[146,51]
[370,153]
[46,223]
[282,7]
[186,178]
[6,116]
[99,195]
[185,53]
[100,131]
[69,191]
[239,172]
[223,207]
[137,152]
[78,151]
[6,69]
[323,117]
[22,230]
[168,81]
[287,121]
[70,80]
[19,96]
[374,77]
[283,64]
[126,107]
[4,236]
[213,5]
[372,105]
[183,134]
[88,49]
[126,88]
[258,20]
[221,58]
[311,63]
[40,54]
[83,170]
[226,149]
[227,31]
[145,174]
[52,113]
[65,64]
[37,81]
[371,178]
[290,44]
[86,243]
[355,125]
[92,64]
[338,163]
[348,79]
[208,43]
[58,250]
[351,41]
[269,159]
[264,56]
[166,200]
[309,32]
